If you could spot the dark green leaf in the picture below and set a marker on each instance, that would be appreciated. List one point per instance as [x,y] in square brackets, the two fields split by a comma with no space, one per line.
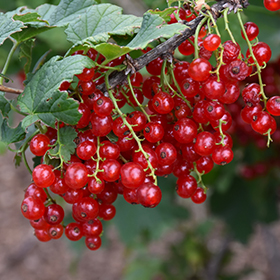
[154,27]
[11,135]
[41,97]
[5,106]
[165,14]
[18,159]
[99,22]
[26,52]
[36,161]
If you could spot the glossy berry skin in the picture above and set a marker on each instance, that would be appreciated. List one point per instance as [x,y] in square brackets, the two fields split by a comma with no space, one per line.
[42,235]
[163,103]
[108,195]
[95,186]
[43,176]
[186,48]
[153,132]
[39,223]
[132,175]
[214,110]
[185,130]
[212,88]
[204,164]
[109,150]
[231,93]
[273,105]
[32,208]
[55,232]
[86,88]
[205,143]
[86,209]
[130,195]
[166,153]
[199,196]
[237,70]
[119,128]
[149,86]
[139,157]
[101,126]
[222,155]
[262,53]
[54,214]
[251,94]
[76,176]
[251,29]
[72,196]
[39,144]
[225,126]
[107,212]
[248,111]
[186,186]
[73,231]
[35,191]
[154,67]
[103,106]
[111,169]
[86,150]
[211,42]
[189,87]
[199,69]
[84,120]
[86,75]
[93,243]
[92,227]
[137,119]
[272,5]
[149,195]
[263,122]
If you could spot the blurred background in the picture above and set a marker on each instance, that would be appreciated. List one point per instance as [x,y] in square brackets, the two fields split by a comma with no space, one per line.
[235,234]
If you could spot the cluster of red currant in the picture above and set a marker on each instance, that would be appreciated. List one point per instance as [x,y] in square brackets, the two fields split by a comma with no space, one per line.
[183,128]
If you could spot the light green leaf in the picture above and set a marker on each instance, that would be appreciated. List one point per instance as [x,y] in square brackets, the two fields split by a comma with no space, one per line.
[5,107]
[8,26]
[65,12]
[99,22]
[111,51]
[41,97]
[26,52]
[152,28]
[11,135]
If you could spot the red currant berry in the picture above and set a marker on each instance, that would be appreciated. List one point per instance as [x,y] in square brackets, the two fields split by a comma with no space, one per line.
[43,176]
[149,195]
[211,42]
[73,231]
[39,144]
[132,175]
[32,208]
[186,186]
[199,196]
[199,69]
[76,176]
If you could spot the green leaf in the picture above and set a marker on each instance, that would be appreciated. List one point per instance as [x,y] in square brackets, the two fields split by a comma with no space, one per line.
[154,27]
[18,159]
[165,14]
[111,51]
[7,79]
[65,12]
[99,22]
[67,136]
[8,26]
[11,135]
[26,52]
[5,107]
[41,98]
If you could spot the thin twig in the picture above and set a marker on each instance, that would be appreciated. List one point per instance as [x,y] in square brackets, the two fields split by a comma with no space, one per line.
[10,90]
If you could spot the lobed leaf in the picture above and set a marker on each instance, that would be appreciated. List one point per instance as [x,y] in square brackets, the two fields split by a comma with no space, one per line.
[41,98]
[11,135]
[5,107]
[99,22]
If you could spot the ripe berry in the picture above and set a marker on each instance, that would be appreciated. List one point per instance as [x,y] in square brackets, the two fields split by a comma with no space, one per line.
[93,242]
[211,42]
[205,143]
[86,209]
[86,150]
[103,106]
[111,169]
[107,212]
[132,175]
[32,208]
[186,186]
[272,5]
[56,231]
[199,69]
[166,153]
[199,196]
[185,130]
[54,214]
[163,103]
[153,132]
[35,191]
[273,105]
[251,29]
[39,144]
[92,227]
[76,175]
[73,231]
[43,176]
[149,195]
[222,155]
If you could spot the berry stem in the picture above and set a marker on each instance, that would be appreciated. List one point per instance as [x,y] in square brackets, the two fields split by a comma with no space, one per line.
[196,48]
[50,199]
[259,68]
[7,63]
[225,13]
[129,127]
[97,162]
[199,180]
[136,100]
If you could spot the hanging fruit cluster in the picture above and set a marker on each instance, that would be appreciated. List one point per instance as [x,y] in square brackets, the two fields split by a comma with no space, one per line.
[180,123]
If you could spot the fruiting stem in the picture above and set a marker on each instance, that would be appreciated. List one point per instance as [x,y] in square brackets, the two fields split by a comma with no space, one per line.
[129,127]
[7,63]
[136,100]
[225,13]
[259,68]
[199,180]
[97,162]
[196,48]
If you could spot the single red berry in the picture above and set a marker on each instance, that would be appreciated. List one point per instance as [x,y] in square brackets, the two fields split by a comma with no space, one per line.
[185,130]
[186,186]
[39,144]
[112,169]
[149,195]
[92,227]
[154,67]
[187,48]
[103,106]
[93,242]
[272,5]
[43,176]
[212,42]
[72,196]
[101,126]
[166,153]
[42,235]
[262,53]
[73,231]
[86,150]
[130,195]
[205,143]
[204,164]
[199,69]
[76,176]
[54,214]
[86,209]
[222,155]
[251,29]
[35,191]
[199,196]
[32,208]
[273,105]
[132,175]
[231,51]
[107,212]
[86,75]
[56,231]
[163,102]
[108,195]
[153,132]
